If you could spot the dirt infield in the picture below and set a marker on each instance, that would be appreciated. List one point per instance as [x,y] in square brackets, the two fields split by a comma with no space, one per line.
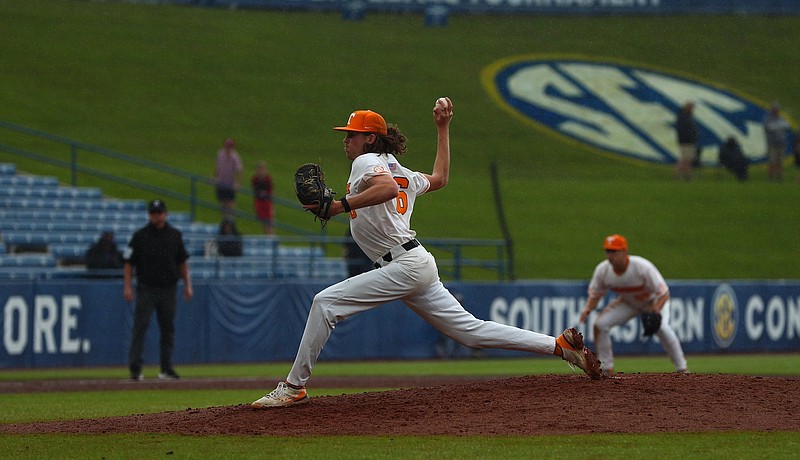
[551,404]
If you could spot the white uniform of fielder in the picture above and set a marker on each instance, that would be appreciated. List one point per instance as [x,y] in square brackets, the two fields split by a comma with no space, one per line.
[407,271]
[640,288]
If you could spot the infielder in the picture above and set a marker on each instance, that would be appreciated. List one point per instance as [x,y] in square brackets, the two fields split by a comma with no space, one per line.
[640,288]
[380,198]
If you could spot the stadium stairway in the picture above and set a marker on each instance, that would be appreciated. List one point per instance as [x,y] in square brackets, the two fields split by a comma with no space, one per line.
[46,228]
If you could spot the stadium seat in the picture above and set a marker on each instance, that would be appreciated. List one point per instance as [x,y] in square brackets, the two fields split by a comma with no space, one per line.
[140,218]
[28,181]
[72,204]
[8,169]
[46,230]
[257,251]
[300,251]
[20,273]
[330,268]
[44,238]
[203,263]
[84,226]
[77,193]
[69,254]
[27,260]
[195,228]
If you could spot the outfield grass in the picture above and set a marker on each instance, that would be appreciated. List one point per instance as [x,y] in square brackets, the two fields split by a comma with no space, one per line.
[169,83]
[746,364]
[664,446]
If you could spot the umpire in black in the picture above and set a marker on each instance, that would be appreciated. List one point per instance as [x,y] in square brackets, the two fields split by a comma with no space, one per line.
[159,257]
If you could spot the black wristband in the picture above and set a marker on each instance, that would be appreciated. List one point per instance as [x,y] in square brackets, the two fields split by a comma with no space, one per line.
[345,204]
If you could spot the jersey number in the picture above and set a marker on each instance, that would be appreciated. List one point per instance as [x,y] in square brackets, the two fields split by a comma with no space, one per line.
[402,197]
[401,202]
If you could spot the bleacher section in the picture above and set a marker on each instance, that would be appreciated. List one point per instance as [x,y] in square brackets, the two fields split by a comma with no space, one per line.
[45,230]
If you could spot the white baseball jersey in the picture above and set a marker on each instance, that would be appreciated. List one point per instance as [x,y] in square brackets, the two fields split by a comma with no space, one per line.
[377,229]
[638,286]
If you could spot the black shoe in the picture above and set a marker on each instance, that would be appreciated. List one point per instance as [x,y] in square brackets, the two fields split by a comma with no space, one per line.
[136,374]
[168,374]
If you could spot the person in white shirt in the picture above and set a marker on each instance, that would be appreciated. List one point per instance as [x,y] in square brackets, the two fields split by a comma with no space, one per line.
[640,288]
[380,196]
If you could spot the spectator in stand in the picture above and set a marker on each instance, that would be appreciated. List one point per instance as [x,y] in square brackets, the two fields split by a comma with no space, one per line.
[776,131]
[229,240]
[731,157]
[262,196]
[797,152]
[227,177]
[688,137]
[104,255]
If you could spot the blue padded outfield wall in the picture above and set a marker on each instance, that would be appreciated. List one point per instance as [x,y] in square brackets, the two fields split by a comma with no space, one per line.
[64,323]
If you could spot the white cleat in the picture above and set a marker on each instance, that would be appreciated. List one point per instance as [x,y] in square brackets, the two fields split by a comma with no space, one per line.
[282,396]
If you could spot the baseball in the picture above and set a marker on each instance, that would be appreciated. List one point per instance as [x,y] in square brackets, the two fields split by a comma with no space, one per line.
[443,103]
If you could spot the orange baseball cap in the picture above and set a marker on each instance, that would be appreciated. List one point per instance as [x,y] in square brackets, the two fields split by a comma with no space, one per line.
[365,121]
[616,243]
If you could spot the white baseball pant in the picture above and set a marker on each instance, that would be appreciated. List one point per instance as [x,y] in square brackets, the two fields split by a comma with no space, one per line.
[620,313]
[412,277]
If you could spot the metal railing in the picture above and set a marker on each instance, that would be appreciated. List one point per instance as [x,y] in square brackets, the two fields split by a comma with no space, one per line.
[190,183]
[455,256]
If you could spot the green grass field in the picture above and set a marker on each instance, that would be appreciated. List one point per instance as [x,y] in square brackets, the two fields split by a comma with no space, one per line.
[169,84]
[667,446]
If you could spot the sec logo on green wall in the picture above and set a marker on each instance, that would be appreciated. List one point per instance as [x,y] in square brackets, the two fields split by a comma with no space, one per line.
[625,109]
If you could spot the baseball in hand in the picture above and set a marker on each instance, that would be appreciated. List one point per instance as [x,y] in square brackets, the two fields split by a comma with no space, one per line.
[443,110]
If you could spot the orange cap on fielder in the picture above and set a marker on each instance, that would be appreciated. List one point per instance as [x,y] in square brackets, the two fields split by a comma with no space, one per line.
[365,121]
[616,243]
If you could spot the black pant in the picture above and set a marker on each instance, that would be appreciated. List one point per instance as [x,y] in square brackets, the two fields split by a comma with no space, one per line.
[163,301]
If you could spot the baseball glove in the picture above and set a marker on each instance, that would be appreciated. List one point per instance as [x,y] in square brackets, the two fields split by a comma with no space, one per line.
[309,185]
[651,323]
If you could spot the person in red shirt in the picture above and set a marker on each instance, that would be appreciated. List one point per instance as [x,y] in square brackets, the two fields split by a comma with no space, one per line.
[262,196]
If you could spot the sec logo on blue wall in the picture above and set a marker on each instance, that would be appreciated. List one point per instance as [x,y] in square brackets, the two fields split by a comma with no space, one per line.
[626,109]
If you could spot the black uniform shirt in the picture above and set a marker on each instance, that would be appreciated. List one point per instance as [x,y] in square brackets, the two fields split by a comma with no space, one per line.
[157,255]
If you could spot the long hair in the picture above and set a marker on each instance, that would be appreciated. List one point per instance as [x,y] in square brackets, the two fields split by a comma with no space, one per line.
[393,142]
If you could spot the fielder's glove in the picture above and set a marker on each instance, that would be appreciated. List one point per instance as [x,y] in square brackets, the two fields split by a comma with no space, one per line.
[651,323]
[309,185]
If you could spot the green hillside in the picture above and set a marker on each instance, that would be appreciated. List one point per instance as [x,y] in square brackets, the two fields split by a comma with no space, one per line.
[170,83]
